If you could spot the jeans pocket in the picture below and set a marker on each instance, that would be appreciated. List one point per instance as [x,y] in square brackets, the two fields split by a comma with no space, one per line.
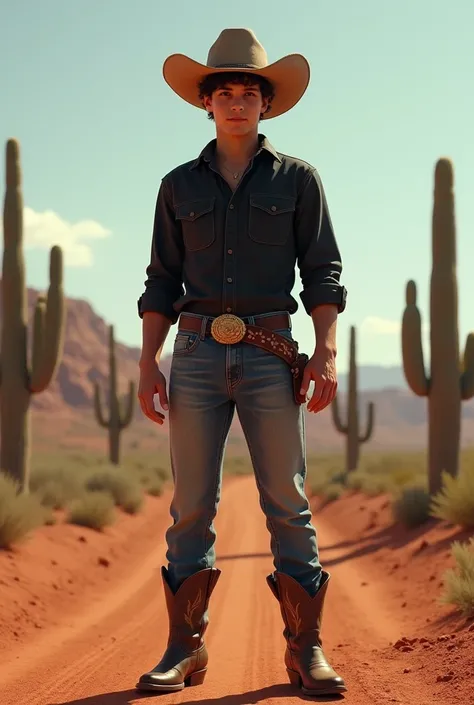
[185,343]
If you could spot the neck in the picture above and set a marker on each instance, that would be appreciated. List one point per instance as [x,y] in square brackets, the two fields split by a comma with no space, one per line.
[236,149]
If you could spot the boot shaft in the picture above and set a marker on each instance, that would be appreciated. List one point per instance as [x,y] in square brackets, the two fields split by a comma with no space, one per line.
[188,606]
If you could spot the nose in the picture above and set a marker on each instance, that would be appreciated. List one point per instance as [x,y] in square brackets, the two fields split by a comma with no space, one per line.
[237,106]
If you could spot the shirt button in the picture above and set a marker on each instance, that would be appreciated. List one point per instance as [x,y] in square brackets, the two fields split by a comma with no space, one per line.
[231,206]
[228,309]
[191,214]
[229,252]
[229,279]
[274,208]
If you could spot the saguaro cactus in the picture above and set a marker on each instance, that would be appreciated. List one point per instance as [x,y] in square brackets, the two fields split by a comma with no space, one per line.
[351,428]
[119,418]
[447,384]
[17,382]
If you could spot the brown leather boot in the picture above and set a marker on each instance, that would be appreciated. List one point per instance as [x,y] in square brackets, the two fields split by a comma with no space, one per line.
[185,659]
[305,661]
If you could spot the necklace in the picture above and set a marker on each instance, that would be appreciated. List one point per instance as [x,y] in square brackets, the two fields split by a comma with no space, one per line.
[235,174]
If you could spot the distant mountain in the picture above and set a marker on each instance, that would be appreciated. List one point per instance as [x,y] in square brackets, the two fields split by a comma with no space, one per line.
[400,417]
[371,377]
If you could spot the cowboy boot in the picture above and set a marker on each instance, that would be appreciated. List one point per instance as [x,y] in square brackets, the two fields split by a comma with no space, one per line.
[305,661]
[185,660]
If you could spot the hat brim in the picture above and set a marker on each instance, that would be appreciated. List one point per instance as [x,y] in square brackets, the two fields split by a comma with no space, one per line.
[289,77]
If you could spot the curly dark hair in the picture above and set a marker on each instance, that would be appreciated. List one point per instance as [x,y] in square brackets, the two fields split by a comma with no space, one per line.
[216,81]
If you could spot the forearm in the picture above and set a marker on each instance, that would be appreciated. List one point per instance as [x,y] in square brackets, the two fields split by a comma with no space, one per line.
[155,329]
[325,324]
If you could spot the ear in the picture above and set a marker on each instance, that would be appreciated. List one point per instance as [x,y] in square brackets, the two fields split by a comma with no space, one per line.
[265,104]
[207,102]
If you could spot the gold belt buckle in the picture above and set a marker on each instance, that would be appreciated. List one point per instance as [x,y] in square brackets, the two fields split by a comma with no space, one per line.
[228,329]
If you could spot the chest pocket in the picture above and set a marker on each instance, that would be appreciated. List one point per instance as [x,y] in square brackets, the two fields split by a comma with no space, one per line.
[197,221]
[271,218]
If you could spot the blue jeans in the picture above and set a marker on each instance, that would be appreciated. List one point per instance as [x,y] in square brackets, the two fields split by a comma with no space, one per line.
[208,381]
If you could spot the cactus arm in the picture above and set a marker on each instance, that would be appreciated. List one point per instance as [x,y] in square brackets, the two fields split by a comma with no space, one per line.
[412,345]
[45,364]
[101,420]
[336,416]
[467,377]
[370,424]
[126,416]
[38,333]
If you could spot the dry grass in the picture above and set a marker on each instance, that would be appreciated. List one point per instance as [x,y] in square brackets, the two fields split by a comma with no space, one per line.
[455,501]
[412,507]
[19,513]
[459,582]
[94,510]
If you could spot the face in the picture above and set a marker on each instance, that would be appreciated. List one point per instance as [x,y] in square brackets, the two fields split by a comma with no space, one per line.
[236,108]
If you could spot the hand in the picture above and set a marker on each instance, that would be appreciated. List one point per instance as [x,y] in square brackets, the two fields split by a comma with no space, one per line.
[152,381]
[321,369]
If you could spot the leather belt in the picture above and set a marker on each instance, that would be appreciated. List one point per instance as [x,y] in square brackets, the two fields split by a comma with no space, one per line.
[229,329]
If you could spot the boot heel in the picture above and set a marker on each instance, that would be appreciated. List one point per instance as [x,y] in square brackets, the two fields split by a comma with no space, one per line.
[294,677]
[196,678]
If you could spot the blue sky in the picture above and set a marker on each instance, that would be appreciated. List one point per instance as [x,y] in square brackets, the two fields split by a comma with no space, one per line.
[391,92]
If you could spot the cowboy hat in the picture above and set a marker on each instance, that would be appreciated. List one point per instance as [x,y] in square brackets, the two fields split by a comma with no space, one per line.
[239,50]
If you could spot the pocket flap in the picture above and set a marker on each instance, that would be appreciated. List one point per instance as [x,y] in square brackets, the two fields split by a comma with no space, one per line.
[274,205]
[191,210]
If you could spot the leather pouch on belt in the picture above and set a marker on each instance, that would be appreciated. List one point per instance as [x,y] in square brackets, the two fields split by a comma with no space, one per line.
[297,371]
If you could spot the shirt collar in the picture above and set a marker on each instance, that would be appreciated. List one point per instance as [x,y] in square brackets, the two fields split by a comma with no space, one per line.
[209,150]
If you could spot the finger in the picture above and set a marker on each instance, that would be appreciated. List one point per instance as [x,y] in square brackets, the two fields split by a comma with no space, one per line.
[318,388]
[163,397]
[148,408]
[325,398]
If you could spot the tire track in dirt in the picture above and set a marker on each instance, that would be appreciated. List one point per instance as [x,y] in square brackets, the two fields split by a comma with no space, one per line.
[97,658]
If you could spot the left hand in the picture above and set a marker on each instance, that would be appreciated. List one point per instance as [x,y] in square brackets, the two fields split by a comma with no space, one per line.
[321,369]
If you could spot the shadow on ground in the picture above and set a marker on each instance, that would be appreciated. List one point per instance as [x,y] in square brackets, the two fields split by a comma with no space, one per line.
[131,697]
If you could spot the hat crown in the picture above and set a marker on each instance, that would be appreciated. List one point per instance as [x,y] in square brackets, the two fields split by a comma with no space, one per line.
[237,47]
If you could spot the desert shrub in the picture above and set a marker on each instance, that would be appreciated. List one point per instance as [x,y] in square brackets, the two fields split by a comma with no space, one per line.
[235,465]
[94,510]
[56,486]
[412,507]
[455,501]
[459,582]
[151,482]
[356,480]
[124,487]
[332,492]
[19,513]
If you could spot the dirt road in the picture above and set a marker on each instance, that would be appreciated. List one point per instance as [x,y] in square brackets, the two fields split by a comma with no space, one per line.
[97,656]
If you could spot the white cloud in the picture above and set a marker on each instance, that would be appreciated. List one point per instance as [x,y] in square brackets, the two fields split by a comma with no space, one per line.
[43,230]
[380,326]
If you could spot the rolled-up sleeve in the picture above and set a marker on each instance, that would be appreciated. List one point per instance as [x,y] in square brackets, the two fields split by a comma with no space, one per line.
[318,255]
[163,285]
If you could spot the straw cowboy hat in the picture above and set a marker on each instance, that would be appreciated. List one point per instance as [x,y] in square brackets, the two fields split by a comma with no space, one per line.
[240,50]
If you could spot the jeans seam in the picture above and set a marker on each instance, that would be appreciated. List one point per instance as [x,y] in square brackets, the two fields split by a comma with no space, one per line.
[217,476]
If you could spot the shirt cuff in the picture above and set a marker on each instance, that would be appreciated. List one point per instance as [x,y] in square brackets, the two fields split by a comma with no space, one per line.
[156,303]
[324,294]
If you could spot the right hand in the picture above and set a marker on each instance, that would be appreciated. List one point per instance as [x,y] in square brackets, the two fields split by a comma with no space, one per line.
[152,381]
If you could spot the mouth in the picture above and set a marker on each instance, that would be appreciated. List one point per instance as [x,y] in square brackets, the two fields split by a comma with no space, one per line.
[237,119]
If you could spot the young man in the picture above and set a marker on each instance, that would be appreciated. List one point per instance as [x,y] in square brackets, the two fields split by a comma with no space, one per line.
[229,228]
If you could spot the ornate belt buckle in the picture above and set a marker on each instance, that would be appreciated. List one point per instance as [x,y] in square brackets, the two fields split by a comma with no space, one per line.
[228,329]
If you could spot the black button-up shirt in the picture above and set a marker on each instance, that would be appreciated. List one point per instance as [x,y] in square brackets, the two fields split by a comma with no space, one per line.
[216,251]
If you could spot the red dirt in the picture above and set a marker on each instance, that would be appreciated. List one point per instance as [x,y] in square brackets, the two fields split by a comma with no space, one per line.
[85,642]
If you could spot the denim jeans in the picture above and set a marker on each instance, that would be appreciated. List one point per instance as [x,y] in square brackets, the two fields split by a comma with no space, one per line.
[208,382]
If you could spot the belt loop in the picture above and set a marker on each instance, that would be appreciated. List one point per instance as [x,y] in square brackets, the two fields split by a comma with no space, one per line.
[204,321]
[290,322]
[251,320]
